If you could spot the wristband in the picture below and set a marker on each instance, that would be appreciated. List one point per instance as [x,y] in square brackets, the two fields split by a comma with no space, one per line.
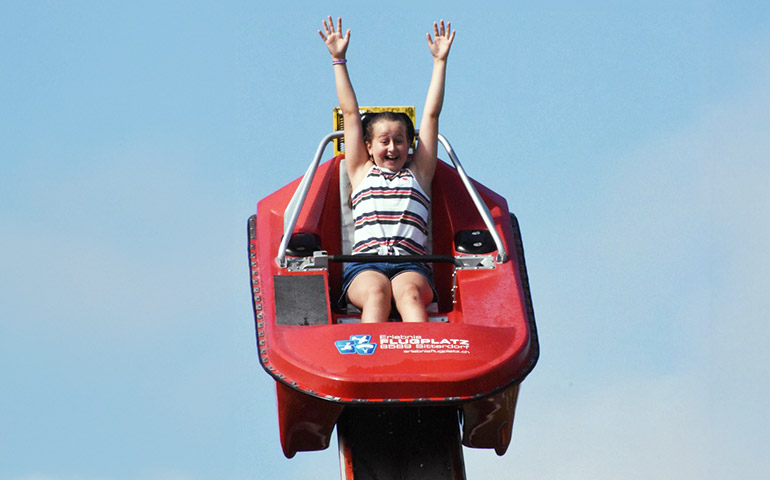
[341,61]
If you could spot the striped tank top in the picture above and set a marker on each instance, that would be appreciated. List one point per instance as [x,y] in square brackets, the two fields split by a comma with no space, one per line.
[390,212]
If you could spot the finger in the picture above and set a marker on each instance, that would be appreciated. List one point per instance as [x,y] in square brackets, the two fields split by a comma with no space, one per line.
[347,35]
[430,40]
[339,25]
[331,23]
[442,27]
[322,35]
[326,27]
[448,28]
[435,29]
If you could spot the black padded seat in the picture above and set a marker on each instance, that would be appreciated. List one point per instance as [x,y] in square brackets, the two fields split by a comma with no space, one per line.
[303,244]
[474,242]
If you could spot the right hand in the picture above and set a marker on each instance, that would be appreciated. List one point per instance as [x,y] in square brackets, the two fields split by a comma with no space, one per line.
[335,42]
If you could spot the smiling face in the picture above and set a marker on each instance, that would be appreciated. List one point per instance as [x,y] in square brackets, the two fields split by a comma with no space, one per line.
[389,144]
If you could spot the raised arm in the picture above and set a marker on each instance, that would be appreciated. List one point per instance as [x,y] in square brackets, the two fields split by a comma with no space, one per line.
[424,163]
[356,155]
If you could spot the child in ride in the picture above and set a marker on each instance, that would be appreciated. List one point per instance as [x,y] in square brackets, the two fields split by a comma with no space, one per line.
[390,192]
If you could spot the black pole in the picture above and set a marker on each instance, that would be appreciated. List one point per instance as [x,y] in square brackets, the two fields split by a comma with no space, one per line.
[392,258]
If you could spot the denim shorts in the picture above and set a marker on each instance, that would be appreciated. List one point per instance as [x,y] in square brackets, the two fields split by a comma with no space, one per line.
[390,270]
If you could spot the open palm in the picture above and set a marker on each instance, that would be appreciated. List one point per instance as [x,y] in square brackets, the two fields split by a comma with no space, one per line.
[442,41]
[335,41]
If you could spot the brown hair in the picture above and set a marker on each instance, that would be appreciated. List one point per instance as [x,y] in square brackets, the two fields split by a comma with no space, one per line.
[368,120]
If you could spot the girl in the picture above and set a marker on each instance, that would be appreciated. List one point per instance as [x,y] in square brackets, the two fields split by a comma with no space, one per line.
[390,194]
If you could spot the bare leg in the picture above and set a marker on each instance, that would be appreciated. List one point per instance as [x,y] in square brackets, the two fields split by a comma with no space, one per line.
[370,291]
[412,293]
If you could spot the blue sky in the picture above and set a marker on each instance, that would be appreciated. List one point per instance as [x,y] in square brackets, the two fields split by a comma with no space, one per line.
[630,140]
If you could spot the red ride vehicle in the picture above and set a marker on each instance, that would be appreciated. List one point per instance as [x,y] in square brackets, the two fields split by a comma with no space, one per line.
[404,396]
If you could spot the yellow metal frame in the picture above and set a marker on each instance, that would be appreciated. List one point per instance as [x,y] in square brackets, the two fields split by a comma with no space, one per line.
[339,123]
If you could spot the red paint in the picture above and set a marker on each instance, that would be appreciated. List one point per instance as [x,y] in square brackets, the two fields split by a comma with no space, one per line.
[489,316]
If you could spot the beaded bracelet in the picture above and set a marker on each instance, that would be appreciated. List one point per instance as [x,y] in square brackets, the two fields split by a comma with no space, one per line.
[341,61]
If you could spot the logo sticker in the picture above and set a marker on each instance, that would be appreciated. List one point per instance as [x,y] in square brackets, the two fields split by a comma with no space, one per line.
[415,344]
[358,344]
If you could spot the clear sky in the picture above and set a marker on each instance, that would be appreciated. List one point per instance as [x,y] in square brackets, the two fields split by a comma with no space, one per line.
[630,138]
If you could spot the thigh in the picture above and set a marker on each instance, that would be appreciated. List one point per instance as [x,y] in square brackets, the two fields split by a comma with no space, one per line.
[367,283]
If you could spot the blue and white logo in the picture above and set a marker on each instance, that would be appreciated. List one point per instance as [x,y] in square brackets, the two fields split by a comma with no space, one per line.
[358,344]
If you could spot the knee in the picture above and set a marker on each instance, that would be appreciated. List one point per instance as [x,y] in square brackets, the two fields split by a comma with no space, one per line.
[377,295]
[410,294]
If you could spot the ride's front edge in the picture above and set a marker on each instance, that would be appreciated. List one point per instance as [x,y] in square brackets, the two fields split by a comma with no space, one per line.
[407,442]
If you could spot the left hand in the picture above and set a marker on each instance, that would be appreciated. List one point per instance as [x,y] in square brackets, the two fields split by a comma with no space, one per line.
[439,47]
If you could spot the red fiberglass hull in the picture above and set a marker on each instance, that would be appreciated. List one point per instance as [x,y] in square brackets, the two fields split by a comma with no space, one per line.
[481,341]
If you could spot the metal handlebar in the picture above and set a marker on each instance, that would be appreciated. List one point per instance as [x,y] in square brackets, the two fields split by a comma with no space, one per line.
[486,215]
[291,214]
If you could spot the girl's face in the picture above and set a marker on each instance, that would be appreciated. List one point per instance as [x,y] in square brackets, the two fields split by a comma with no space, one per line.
[389,145]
